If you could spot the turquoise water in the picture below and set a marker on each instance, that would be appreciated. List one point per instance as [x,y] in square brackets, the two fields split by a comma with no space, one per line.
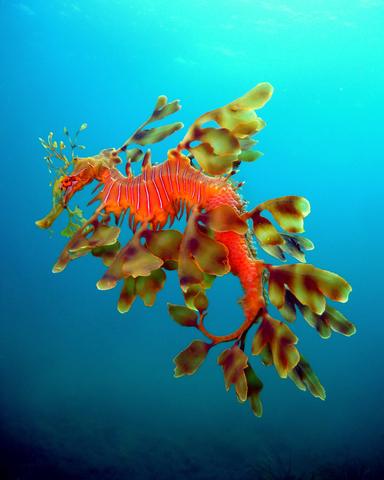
[88,393]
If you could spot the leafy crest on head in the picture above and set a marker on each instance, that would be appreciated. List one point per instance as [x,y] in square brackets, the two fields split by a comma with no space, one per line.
[51,148]
[76,216]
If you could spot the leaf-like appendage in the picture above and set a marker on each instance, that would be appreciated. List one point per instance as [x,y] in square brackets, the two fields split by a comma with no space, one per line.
[138,261]
[76,219]
[161,102]
[221,140]
[201,302]
[165,244]
[316,321]
[329,319]
[281,340]
[127,295]
[255,98]
[163,110]
[170,265]
[265,231]
[190,294]
[287,211]
[114,273]
[190,359]
[79,254]
[233,118]
[249,156]
[244,129]
[209,255]
[64,257]
[303,375]
[147,287]
[338,322]
[313,319]
[47,221]
[155,135]
[288,310]
[208,280]
[273,250]
[101,236]
[294,245]
[266,355]
[254,388]
[234,362]
[107,253]
[241,111]
[133,260]
[308,284]
[80,245]
[220,147]
[246,143]
[210,162]
[184,316]
[223,218]
[189,273]
[134,155]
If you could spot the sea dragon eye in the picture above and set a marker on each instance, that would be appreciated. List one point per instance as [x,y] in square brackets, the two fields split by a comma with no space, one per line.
[67,182]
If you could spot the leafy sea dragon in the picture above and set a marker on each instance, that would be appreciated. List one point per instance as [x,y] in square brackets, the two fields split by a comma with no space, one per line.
[216,240]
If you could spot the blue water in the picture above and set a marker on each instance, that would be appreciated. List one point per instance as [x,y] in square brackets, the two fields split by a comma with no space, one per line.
[88,393]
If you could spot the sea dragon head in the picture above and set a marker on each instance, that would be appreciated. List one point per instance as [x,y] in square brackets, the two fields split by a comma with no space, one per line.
[73,177]
[86,170]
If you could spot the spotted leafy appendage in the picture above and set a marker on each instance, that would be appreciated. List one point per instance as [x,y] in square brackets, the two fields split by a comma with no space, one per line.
[234,362]
[107,253]
[338,322]
[200,254]
[127,295]
[165,244]
[155,135]
[192,291]
[293,245]
[223,219]
[184,316]
[265,231]
[287,211]
[220,148]
[190,359]
[134,260]
[281,340]
[329,319]
[254,388]
[308,284]
[92,235]
[148,286]
[303,376]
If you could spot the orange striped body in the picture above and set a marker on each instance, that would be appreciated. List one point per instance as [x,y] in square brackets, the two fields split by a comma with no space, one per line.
[160,191]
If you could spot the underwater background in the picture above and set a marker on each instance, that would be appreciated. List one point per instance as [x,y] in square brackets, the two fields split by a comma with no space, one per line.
[88,393]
